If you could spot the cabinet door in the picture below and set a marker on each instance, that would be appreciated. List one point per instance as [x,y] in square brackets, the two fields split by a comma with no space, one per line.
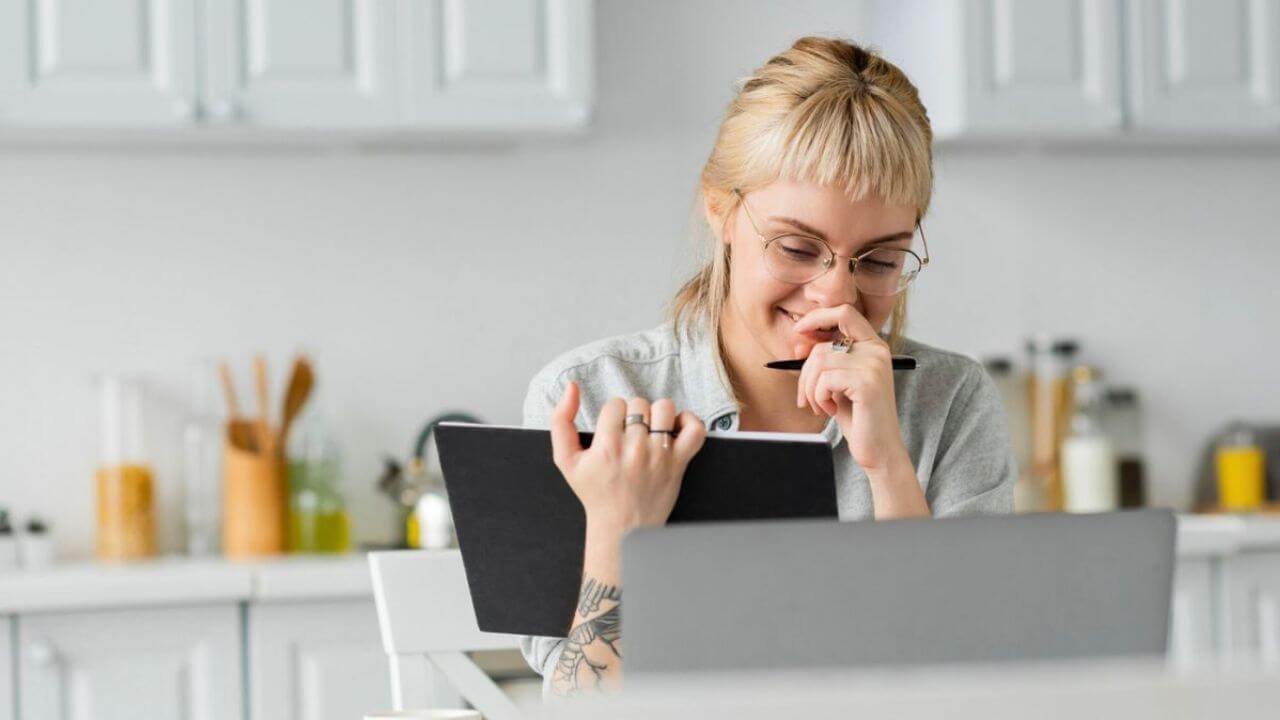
[1045,65]
[98,64]
[126,664]
[1251,585]
[1191,616]
[499,64]
[1205,64]
[301,63]
[8,698]
[316,660]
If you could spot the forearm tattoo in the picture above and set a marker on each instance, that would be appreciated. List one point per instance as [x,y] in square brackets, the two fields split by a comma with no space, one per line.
[592,646]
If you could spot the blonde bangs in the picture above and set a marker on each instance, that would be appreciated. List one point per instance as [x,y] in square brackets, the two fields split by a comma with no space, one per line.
[869,147]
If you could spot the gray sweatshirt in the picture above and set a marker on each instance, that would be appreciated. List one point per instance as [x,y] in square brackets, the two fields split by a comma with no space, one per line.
[950,414]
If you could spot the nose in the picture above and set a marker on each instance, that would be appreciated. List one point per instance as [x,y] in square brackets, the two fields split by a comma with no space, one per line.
[834,287]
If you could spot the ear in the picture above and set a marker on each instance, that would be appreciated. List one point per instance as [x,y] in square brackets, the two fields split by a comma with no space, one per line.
[714,205]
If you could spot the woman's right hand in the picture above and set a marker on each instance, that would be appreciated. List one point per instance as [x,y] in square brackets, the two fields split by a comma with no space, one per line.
[627,478]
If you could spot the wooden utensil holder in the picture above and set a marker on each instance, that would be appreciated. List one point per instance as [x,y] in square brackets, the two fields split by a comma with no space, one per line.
[254,503]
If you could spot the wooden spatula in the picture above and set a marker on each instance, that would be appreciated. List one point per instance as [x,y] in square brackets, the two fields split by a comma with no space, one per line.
[301,381]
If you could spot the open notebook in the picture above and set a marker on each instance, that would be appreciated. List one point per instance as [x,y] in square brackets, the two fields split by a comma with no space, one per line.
[520,527]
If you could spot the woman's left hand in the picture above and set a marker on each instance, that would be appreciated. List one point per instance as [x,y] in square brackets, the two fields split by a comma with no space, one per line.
[856,387]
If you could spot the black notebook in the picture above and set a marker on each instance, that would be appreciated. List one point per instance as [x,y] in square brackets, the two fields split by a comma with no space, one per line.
[521,528]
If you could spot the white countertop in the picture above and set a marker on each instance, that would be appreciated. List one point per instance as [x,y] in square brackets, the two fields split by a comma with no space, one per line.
[1206,535]
[185,581]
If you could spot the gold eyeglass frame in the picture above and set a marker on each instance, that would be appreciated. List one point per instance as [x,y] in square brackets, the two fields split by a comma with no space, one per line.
[833,255]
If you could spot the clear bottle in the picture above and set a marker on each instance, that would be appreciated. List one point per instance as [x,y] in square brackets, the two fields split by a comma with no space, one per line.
[1123,423]
[125,484]
[1089,471]
[202,445]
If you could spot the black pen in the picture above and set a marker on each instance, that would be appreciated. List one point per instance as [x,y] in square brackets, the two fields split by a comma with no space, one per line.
[900,362]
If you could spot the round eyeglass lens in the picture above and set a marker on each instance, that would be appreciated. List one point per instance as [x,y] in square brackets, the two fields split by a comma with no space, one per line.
[796,259]
[886,271]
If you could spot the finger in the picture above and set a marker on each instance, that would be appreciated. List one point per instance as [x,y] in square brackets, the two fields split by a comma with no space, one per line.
[691,435]
[845,317]
[827,385]
[609,425]
[812,370]
[636,434]
[801,351]
[874,354]
[565,445]
[662,416]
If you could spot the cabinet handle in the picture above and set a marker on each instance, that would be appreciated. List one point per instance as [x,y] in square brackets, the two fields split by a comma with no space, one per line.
[41,654]
[224,109]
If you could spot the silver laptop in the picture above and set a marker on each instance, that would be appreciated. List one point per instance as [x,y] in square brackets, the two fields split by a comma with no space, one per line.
[814,593]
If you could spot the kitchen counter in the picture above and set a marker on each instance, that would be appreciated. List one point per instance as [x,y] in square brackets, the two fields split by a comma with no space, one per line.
[1209,535]
[191,581]
[184,581]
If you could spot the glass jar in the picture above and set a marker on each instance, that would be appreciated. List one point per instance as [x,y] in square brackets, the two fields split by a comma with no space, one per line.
[318,521]
[1123,422]
[1049,409]
[1089,470]
[125,483]
[1241,472]
[202,446]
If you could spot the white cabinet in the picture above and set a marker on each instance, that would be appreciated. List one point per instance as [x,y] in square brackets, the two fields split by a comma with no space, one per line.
[1251,589]
[316,660]
[302,63]
[1191,612]
[178,662]
[1204,64]
[435,65]
[1007,67]
[8,696]
[87,62]
[498,64]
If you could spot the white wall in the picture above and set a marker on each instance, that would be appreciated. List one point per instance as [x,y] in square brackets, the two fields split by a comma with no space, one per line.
[427,280]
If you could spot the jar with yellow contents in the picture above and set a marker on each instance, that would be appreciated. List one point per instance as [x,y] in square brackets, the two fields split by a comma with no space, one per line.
[124,483]
[1241,470]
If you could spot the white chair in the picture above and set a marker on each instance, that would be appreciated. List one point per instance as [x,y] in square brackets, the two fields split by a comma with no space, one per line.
[428,627]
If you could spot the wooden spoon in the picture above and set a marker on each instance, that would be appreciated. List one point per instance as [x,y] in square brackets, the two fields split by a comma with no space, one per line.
[301,381]
[239,432]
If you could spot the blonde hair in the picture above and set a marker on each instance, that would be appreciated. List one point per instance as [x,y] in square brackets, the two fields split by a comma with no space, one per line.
[825,111]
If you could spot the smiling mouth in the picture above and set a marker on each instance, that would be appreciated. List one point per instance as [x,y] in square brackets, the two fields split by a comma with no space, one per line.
[794,317]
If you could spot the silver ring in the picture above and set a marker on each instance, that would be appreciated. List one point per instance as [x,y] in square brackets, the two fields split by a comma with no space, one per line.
[635,419]
[666,436]
[843,345]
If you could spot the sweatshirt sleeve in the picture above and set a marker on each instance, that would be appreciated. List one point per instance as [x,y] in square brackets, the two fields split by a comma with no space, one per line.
[975,469]
[542,653]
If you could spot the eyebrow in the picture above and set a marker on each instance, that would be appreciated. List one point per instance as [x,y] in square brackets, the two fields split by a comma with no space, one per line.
[808,229]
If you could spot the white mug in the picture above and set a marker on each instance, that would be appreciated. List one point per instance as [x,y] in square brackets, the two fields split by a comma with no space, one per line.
[426,715]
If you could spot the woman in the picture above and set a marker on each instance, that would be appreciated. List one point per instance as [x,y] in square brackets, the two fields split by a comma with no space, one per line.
[813,196]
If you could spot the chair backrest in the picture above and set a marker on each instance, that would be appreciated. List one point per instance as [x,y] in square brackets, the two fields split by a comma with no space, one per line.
[428,626]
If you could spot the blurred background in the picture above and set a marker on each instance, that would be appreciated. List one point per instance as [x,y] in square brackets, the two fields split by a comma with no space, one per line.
[433,199]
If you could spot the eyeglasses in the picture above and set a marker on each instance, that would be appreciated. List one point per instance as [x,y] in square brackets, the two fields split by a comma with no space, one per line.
[800,259]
